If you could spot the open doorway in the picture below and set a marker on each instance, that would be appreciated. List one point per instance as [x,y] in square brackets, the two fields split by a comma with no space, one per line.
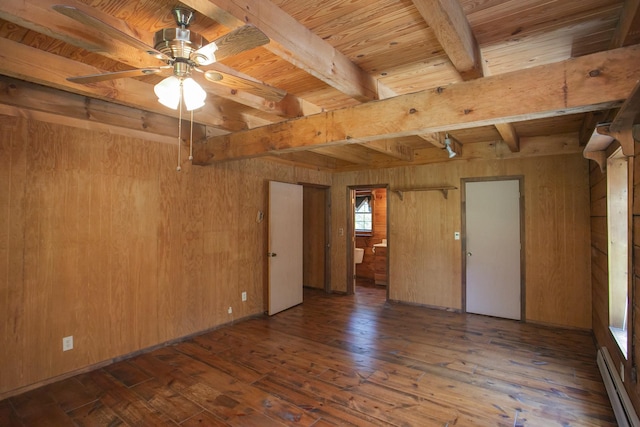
[368,234]
[316,237]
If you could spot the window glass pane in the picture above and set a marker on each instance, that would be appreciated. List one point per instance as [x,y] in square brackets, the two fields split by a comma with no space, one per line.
[363,215]
[618,247]
[363,206]
[363,221]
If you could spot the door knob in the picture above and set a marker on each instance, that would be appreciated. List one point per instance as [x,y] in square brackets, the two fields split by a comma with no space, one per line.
[469,254]
[271,254]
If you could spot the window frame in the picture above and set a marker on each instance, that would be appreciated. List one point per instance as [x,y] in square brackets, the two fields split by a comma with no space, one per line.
[364,232]
[619,247]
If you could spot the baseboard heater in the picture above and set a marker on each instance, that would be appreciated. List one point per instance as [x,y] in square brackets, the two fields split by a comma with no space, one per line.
[622,406]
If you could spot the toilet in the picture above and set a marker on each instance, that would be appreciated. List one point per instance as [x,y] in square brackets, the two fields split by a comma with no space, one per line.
[358,255]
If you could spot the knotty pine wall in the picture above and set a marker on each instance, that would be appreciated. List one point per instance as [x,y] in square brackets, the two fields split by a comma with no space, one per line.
[600,271]
[425,260]
[101,238]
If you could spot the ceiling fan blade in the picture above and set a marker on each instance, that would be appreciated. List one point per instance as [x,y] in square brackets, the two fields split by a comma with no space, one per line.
[241,39]
[92,21]
[260,89]
[94,78]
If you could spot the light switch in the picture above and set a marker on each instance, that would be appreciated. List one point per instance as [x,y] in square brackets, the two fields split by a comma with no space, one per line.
[456,235]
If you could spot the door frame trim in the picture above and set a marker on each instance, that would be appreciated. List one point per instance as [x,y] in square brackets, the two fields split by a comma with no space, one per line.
[463,218]
[327,231]
[350,234]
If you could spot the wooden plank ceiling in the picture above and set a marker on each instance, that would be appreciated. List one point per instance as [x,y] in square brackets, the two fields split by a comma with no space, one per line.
[369,83]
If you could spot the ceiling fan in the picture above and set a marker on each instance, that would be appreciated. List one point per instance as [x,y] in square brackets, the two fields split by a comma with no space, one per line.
[184,52]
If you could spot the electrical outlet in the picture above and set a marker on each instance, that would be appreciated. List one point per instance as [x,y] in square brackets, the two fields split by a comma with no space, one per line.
[230,310]
[67,343]
[244,296]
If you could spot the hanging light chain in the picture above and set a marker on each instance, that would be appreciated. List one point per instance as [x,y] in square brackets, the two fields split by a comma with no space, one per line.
[191,139]
[179,126]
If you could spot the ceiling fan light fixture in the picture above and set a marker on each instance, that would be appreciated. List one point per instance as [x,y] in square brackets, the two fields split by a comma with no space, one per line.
[170,102]
[168,92]
[184,51]
[193,94]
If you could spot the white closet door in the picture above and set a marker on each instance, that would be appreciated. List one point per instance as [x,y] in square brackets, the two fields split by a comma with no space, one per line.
[285,246]
[493,280]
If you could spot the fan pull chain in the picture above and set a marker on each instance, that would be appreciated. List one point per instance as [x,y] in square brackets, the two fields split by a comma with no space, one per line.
[179,127]
[191,139]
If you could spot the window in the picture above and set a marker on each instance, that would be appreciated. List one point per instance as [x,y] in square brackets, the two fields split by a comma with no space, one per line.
[618,246]
[364,213]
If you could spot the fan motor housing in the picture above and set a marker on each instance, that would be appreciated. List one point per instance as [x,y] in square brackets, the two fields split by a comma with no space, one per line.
[178,42]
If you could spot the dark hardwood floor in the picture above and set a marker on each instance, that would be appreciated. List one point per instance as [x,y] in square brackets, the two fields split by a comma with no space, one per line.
[340,360]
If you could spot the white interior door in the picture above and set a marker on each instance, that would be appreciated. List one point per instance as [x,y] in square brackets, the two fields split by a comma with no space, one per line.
[493,280]
[285,246]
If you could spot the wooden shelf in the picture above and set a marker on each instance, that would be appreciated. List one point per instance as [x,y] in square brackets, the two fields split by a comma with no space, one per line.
[444,189]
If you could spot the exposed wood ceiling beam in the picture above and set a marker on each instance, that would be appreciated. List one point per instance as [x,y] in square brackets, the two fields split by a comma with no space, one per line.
[350,153]
[590,122]
[41,17]
[506,130]
[548,145]
[293,42]
[450,24]
[627,33]
[52,105]
[551,145]
[290,106]
[310,159]
[296,44]
[436,139]
[391,148]
[509,136]
[588,83]
[629,112]
[628,30]
[622,126]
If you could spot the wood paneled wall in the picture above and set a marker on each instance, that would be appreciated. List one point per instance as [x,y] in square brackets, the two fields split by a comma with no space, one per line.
[600,272]
[425,260]
[102,239]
